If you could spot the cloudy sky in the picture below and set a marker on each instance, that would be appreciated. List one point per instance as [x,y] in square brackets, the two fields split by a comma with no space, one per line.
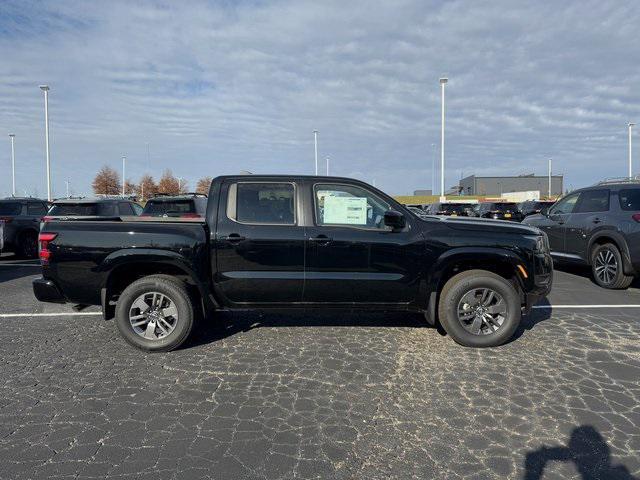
[218,87]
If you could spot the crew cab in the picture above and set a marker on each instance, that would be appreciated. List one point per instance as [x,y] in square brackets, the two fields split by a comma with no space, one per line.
[296,241]
[20,219]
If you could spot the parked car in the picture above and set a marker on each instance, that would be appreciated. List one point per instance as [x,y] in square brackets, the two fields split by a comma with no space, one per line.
[531,207]
[597,226]
[448,208]
[276,241]
[189,205]
[472,210]
[418,211]
[79,208]
[20,218]
[500,211]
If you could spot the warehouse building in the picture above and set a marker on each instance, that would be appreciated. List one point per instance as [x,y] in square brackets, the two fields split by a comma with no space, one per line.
[496,186]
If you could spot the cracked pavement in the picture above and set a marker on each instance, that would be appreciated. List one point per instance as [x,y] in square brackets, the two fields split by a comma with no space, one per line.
[320,395]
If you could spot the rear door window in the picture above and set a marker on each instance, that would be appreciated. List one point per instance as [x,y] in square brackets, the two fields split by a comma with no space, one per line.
[74,210]
[10,208]
[593,201]
[630,199]
[262,203]
[170,208]
[36,208]
[125,208]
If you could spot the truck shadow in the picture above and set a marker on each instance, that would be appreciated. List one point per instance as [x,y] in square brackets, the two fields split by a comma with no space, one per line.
[226,324]
[586,449]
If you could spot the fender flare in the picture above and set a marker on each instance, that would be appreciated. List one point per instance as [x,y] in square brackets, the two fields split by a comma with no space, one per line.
[435,273]
[150,256]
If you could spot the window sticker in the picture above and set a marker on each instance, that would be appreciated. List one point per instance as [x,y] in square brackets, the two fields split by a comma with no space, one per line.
[345,210]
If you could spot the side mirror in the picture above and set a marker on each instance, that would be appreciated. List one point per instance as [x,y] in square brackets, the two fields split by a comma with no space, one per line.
[394,219]
[544,211]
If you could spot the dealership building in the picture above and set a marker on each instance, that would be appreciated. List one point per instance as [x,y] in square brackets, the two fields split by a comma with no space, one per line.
[496,186]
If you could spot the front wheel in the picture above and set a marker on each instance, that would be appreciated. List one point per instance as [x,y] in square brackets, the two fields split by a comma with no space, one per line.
[155,313]
[606,266]
[478,308]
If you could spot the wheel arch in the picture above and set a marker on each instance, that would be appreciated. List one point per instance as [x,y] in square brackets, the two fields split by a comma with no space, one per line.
[499,261]
[617,239]
[123,267]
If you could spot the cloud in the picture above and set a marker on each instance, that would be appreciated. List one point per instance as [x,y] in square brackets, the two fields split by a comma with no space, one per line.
[217,87]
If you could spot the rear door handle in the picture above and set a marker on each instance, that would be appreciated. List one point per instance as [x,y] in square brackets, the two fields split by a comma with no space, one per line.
[596,220]
[321,240]
[233,237]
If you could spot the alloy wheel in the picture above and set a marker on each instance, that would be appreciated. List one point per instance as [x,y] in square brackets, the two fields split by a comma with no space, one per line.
[482,311]
[153,315]
[606,266]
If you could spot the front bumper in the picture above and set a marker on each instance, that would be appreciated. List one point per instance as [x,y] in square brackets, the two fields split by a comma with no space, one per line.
[542,279]
[47,291]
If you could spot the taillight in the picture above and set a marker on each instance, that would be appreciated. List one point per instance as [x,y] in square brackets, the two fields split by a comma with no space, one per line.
[44,239]
[636,217]
[6,219]
[190,215]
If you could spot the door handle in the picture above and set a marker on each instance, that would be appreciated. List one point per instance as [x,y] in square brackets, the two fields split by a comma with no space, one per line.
[233,237]
[321,240]
[596,220]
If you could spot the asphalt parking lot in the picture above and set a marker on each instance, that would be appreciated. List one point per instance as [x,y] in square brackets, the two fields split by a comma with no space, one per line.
[322,395]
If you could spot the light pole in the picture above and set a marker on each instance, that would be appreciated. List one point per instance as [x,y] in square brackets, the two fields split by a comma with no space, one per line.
[179,185]
[315,146]
[67,184]
[124,181]
[45,89]
[630,157]
[443,81]
[433,169]
[13,165]
[327,166]
[549,188]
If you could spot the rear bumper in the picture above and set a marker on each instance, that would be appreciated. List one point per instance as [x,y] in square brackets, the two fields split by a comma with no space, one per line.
[47,291]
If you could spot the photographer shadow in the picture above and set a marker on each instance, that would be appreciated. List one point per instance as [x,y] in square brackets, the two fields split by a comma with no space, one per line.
[586,449]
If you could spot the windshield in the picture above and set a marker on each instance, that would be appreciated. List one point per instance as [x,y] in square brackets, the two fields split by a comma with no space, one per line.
[169,208]
[10,208]
[82,210]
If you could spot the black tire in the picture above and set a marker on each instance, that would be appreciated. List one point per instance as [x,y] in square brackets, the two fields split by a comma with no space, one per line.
[607,267]
[176,293]
[27,245]
[496,330]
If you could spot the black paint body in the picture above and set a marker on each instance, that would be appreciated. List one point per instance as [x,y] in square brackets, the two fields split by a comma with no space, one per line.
[239,265]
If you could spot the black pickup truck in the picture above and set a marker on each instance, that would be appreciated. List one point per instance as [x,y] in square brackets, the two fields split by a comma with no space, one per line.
[296,241]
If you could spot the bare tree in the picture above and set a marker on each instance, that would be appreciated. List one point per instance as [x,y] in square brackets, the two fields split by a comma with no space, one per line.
[129,188]
[107,182]
[168,184]
[146,187]
[203,185]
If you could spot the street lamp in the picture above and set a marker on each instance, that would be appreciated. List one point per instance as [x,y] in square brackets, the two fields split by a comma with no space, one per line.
[45,89]
[433,169]
[124,160]
[443,81]
[549,188]
[327,166]
[13,165]
[315,146]
[630,157]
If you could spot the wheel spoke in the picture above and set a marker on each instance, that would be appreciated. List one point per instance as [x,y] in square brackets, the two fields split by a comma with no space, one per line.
[170,311]
[469,298]
[168,325]
[142,322]
[500,307]
[488,298]
[150,331]
[475,326]
[141,305]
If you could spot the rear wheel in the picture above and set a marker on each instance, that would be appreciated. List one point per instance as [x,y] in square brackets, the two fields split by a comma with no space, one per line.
[28,245]
[155,313]
[607,267]
[478,308]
